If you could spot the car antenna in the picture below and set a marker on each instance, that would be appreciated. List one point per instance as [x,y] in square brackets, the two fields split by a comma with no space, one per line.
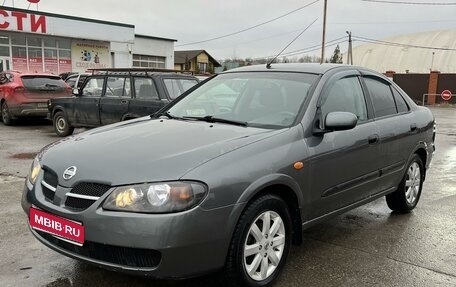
[268,65]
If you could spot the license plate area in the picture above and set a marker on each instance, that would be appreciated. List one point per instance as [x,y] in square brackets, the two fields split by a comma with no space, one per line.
[65,229]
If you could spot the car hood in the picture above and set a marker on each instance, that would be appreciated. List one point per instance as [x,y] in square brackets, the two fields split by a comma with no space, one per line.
[145,150]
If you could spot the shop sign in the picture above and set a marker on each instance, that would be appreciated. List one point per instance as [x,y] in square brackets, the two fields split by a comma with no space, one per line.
[89,55]
[21,21]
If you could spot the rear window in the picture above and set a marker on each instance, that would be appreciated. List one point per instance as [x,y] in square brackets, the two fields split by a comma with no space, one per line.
[43,83]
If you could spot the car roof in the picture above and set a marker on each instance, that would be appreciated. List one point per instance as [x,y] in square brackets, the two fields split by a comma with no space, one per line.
[312,68]
[143,73]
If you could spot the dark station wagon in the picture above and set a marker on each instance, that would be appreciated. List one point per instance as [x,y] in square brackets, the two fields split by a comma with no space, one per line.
[114,95]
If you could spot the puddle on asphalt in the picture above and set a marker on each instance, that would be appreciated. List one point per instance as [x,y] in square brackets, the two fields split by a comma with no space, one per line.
[24,155]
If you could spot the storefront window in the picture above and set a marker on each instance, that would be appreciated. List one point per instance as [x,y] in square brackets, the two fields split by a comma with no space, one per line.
[34,41]
[50,42]
[19,52]
[4,39]
[65,44]
[18,39]
[51,64]
[4,51]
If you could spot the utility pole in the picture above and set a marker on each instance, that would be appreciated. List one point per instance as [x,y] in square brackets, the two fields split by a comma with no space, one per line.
[324,33]
[350,49]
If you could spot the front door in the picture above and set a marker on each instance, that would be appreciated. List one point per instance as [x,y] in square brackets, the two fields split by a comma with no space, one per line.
[344,165]
[86,108]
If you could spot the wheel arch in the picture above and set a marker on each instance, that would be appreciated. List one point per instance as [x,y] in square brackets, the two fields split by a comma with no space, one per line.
[284,187]
[421,151]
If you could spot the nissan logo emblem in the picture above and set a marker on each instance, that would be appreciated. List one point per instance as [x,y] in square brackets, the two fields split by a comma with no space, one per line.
[69,172]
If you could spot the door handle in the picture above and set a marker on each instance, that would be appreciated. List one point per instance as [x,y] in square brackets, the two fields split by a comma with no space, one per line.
[124,102]
[413,127]
[372,139]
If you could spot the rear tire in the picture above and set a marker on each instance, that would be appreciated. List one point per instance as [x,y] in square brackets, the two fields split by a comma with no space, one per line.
[260,243]
[61,125]
[407,195]
[6,116]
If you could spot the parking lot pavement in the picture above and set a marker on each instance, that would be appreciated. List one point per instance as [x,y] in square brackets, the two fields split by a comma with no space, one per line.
[368,246]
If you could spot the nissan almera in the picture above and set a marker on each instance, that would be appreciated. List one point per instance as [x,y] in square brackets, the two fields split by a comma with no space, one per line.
[229,174]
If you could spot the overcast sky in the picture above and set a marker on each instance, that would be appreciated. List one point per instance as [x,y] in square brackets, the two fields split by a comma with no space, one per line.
[196,20]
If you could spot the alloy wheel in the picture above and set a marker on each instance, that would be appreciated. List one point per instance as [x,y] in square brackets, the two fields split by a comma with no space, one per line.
[412,183]
[264,245]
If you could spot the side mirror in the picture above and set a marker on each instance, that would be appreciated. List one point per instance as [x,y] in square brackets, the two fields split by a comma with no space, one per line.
[339,121]
[76,91]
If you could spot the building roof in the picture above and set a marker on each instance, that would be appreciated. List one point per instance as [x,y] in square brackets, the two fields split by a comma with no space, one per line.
[155,38]
[68,17]
[180,57]
[405,58]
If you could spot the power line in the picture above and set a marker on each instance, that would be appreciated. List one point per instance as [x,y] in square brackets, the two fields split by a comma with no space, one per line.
[412,3]
[268,65]
[249,28]
[307,49]
[388,43]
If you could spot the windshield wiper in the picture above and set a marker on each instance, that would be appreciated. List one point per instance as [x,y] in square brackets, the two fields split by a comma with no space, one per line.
[212,119]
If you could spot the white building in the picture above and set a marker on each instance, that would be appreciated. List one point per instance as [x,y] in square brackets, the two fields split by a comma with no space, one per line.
[410,57]
[35,41]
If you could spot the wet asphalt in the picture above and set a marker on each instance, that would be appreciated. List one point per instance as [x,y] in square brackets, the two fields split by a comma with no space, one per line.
[368,246]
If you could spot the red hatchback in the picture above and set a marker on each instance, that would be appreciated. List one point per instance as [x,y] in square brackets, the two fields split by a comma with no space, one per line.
[26,95]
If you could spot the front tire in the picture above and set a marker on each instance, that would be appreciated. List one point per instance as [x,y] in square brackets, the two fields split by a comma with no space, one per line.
[6,116]
[406,197]
[61,125]
[260,244]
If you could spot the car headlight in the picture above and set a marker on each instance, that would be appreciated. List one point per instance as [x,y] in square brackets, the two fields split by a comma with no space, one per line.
[34,171]
[162,197]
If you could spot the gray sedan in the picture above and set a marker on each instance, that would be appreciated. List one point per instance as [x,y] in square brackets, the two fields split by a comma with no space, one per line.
[229,174]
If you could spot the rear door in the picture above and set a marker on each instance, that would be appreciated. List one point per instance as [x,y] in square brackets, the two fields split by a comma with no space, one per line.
[395,123]
[343,164]
[86,106]
[146,100]
[116,99]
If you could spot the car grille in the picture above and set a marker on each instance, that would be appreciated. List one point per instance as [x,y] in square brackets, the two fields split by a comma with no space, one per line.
[125,256]
[84,194]
[49,184]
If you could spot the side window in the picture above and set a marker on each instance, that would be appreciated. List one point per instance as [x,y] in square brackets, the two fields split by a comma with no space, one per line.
[401,104]
[345,95]
[145,89]
[176,87]
[382,98]
[93,87]
[117,87]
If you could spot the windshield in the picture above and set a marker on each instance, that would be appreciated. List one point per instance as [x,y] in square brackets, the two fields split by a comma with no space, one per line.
[260,99]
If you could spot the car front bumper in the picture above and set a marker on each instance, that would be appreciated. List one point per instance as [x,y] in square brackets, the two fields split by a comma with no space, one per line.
[175,245]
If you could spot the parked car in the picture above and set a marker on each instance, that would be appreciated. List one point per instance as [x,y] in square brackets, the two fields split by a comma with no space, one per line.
[195,189]
[110,97]
[26,95]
